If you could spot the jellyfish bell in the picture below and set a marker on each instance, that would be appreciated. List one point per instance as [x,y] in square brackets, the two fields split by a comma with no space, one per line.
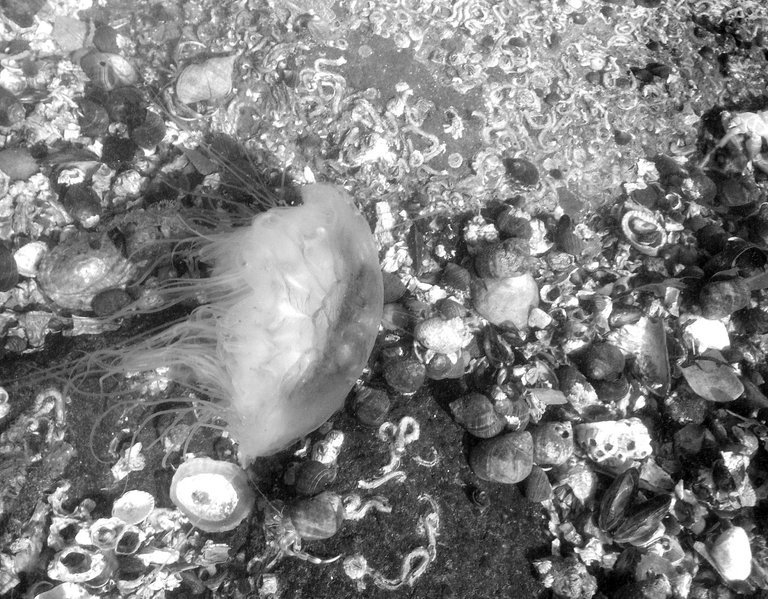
[288,315]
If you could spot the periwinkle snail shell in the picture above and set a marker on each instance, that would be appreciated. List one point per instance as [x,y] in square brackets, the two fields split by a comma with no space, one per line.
[214,495]
[313,477]
[318,517]
[506,459]
[475,412]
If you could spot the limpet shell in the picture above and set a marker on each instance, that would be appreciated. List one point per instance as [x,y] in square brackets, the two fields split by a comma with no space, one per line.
[104,532]
[214,495]
[133,506]
[107,70]
[76,564]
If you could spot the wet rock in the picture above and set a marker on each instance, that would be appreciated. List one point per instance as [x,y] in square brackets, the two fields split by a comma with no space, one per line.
[507,301]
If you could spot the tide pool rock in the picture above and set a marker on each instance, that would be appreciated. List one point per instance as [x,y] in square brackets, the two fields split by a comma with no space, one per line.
[506,301]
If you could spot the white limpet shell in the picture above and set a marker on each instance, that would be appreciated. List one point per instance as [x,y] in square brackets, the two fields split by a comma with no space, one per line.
[133,507]
[214,495]
[623,440]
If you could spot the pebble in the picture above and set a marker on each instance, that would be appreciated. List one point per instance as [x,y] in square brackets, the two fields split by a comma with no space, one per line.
[18,164]
[507,301]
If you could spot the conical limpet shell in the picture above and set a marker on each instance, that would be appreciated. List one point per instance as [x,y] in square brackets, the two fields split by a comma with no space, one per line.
[214,495]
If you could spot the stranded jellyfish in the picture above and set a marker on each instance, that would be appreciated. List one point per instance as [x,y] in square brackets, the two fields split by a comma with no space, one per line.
[292,306]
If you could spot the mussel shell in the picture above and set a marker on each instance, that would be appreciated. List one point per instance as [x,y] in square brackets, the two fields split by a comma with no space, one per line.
[151,132]
[513,226]
[82,203]
[476,413]
[565,237]
[507,458]
[318,517]
[617,499]
[93,118]
[126,105]
[9,272]
[639,527]
[313,477]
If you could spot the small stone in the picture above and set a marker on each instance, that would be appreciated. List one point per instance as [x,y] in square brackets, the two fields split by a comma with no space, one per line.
[506,302]
[18,164]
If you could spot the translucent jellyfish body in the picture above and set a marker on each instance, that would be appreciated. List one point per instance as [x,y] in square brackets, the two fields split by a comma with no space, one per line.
[291,313]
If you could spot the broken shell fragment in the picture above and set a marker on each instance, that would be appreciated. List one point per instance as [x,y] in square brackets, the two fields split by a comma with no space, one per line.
[644,231]
[77,564]
[129,540]
[616,440]
[66,590]
[206,81]
[104,532]
[133,507]
[214,495]
[646,341]
[506,459]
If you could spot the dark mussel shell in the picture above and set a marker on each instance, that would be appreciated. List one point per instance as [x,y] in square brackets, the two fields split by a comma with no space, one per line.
[617,499]
[82,203]
[126,105]
[9,273]
[151,132]
[11,110]
[93,118]
[639,527]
